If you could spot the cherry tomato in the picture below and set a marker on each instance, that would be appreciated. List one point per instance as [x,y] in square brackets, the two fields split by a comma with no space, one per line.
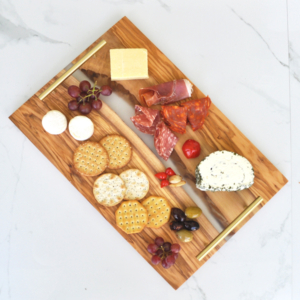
[164,183]
[161,175]
[191,149]
[170,172]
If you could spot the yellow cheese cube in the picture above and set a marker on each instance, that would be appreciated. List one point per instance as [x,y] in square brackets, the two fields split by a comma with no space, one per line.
[126,64]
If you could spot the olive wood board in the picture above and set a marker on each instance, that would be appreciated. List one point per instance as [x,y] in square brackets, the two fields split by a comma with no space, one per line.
[218,133]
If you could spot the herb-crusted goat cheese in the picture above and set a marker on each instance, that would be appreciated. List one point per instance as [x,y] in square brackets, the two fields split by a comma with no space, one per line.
[224,171]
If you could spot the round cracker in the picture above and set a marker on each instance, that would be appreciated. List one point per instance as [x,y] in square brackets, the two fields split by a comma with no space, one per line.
[137,184]
[159,211]
[119,150]
[109,189]
[131,216]
[90,159]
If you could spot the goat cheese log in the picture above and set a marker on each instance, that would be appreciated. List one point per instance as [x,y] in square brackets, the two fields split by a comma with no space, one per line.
[166,93]
[224,171]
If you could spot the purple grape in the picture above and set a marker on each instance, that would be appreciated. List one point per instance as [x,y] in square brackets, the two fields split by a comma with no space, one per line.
[74,91]
[84,85]
[73,105]
[85,108]
[152,248]
[165,264]
[170,260]
[159,241]
[97,104]
[159,252]
[175,248]
[106,90]
[167,246]
[155,259]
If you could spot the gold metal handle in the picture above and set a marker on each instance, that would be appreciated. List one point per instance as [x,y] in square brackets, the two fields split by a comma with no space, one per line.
[229,228]
[71,70]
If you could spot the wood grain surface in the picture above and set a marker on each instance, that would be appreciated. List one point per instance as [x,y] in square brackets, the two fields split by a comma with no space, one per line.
[59,150]
[218,134]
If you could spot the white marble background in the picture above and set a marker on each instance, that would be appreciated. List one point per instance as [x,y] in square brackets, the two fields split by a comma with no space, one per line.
[244,54]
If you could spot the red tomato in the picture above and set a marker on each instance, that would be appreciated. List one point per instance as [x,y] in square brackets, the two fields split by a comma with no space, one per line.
[164,183]
[161,175]
[170,172]
[191,149]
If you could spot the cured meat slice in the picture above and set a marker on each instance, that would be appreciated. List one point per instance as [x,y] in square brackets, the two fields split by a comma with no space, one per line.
[175,117]
[166,93]
[164,140]
[145,119]
[197,111]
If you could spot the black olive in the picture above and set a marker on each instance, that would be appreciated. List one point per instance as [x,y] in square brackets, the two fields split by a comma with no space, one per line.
[191,225]
[176,225]
[178,214]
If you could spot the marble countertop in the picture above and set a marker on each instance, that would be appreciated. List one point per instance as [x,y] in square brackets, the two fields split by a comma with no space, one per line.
[244,54]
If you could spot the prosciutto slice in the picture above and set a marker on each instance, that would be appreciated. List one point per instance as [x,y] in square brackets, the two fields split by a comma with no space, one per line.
[166,93]
[175,118]
[197,111]
[145,119]
[164,140]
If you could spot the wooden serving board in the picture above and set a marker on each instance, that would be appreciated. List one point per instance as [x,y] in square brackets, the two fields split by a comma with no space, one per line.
[218,133]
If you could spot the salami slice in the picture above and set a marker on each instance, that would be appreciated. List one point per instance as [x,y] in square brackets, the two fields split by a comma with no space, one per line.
[164,140]
[145,119]
[197,111]
[175,117]
[166,93]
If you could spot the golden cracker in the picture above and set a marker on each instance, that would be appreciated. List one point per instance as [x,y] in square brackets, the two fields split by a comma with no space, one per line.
[131,216]
[119,150]
[159,211]
[90,159]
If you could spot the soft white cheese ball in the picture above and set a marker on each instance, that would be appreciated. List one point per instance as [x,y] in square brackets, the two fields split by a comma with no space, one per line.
[81,128]
[54,122]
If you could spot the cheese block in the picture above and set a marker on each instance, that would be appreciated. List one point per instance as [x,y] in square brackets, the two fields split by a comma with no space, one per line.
[126,64]
[224,171]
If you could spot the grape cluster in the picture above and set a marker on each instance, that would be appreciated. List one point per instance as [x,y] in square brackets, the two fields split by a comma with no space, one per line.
[87,97]
[163,252]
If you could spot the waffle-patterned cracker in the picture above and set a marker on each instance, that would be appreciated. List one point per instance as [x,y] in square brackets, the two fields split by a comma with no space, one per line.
[90,159]
[119,150]
[159,211]
[131,216]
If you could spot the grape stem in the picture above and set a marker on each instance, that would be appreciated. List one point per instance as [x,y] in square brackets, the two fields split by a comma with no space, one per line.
[92,93]
[165,253]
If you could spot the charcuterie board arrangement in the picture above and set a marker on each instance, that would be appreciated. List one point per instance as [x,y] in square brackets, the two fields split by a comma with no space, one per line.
[121,177]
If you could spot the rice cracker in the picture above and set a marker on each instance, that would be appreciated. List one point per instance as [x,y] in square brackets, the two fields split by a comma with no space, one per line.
[90,159]
[109,189]
[159,211]
[137,184]
[119,150]
[131,216]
